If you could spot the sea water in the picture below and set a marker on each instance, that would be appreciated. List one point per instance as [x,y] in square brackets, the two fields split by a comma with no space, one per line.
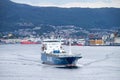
[22,62]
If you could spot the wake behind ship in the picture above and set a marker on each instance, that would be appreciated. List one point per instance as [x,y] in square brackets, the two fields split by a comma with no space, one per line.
[54,54]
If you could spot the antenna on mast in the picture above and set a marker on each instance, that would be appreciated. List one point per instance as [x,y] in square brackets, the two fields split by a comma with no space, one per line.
[70,52]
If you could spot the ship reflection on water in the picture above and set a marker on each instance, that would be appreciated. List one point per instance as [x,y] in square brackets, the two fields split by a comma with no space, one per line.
[69,67]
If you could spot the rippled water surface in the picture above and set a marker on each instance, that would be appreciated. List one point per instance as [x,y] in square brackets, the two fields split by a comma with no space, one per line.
[22,62]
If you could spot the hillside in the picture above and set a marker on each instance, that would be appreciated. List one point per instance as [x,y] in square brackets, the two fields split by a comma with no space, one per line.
[15,16]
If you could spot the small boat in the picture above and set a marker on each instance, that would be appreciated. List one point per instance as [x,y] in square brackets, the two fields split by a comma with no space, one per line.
[53,54]
[28,42]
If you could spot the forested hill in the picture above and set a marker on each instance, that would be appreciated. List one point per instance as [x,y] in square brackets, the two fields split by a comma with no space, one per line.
[15,16]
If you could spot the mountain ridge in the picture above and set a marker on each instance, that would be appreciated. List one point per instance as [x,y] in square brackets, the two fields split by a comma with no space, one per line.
[16,16]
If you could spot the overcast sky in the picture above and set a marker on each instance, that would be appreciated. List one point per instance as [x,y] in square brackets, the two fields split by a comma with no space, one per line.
[72,3]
